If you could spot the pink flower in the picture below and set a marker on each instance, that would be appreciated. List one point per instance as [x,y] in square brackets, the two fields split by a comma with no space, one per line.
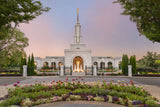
[49,86]
[15,84]
[5,84]
[31,85]
[18,82]
[79,77]
[89,99]
[55,99]
[82,79]
[73,79]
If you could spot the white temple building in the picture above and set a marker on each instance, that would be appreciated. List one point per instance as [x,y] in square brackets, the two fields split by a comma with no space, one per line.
[78,56]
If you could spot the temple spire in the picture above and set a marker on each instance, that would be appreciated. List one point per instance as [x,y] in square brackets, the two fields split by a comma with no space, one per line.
[77,15]
[77,37]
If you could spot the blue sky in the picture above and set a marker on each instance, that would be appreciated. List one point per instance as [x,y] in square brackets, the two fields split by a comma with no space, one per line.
[105,31]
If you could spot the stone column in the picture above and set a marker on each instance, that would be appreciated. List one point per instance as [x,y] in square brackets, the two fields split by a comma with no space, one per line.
[53,68]
[130,70]
[94,70]
[61,71]
[24,70]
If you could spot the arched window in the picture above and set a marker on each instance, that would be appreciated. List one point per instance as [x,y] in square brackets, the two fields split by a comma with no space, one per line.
[102,65]
[96,63]
[53,65]
[110,65]
[45,65]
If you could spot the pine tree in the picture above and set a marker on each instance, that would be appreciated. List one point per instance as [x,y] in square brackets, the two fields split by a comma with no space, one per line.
[134,65]
[32,65]
[21,65]
[32,60]
[125,64]
[29,66]
[24,61]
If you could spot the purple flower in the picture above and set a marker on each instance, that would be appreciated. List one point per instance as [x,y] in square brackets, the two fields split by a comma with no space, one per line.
[106,98]
[115,99]
[18,82]
[136,102]
[15,84]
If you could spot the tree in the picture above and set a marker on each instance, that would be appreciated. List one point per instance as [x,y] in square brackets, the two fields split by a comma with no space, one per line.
[145,13]
[21,66]
[11,47]
[13,12]
[30,67]
[149,61]
[32,61]
[133,63]
[125,64]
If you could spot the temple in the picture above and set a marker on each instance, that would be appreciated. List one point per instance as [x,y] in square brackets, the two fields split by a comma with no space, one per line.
[78,57]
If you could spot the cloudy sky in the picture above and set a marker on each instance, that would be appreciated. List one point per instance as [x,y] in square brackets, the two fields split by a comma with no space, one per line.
[105,31]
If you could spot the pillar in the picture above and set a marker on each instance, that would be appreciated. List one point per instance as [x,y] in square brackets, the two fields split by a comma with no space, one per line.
[61,71]
[130,70]
[94,70]
[24,70]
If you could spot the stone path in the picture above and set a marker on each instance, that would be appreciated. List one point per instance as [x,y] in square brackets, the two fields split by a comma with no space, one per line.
[79,104]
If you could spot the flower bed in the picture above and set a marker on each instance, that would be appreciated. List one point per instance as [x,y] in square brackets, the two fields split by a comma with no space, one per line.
[124,94]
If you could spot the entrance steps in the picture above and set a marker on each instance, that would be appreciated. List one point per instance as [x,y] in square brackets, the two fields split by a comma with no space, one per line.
[75,73]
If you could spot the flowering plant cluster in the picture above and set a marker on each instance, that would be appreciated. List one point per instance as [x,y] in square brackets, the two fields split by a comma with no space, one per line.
[120,93]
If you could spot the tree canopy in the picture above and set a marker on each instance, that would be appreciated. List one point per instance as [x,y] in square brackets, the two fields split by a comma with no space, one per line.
[19,11]
[12,40]
[12,47]
[146,15]
[151,60]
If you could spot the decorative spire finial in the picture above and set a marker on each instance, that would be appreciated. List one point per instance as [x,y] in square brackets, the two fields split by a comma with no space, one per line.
[77,15]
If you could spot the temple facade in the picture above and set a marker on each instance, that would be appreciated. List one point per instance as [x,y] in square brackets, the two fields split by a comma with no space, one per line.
[78,56]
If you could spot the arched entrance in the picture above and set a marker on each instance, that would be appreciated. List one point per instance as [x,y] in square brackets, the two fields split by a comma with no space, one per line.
[78,64]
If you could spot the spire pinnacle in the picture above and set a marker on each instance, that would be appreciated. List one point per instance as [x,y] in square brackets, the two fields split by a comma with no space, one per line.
[77,15]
